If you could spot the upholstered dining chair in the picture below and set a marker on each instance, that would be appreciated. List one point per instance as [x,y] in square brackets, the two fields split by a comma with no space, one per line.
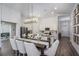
[52,40]
[52,50]
[13,45]
[31,49]
[21,48]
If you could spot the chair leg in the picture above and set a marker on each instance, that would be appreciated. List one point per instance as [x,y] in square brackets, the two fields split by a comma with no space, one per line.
[25,54]
[17,52]
[13,52]
[43,55]
[21,54]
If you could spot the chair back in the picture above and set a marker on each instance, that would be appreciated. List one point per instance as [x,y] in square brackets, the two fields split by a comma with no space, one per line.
[20,46]
[52,40]
[13,44]
[31,49]
[52,50]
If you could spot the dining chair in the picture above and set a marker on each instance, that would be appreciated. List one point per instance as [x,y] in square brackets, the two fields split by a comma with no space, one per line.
[21,48]
[52,40]
[13,45]
[31,49]
[52,50]
[55,35]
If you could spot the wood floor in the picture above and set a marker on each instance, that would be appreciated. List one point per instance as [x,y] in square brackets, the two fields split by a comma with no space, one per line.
[65,48]
[6,49]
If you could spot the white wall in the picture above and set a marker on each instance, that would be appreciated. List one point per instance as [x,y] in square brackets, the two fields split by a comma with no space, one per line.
[51,22]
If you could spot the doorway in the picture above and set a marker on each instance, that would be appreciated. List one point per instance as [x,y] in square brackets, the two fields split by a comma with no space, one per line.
[64,26]
[8,30]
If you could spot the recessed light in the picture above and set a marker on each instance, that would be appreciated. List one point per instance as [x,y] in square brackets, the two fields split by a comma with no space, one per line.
[55,8]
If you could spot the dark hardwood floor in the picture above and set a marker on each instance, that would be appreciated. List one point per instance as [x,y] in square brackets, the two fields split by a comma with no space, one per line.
[65,48]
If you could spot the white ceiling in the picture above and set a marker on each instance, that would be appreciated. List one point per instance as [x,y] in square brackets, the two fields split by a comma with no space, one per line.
[41,9]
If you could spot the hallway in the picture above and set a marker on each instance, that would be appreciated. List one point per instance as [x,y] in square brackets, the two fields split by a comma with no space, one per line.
[65,48]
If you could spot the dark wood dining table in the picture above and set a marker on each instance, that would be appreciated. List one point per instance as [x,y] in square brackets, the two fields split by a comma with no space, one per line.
[42,47]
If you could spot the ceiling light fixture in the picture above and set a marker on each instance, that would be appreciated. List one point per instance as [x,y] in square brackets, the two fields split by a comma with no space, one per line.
[31,18]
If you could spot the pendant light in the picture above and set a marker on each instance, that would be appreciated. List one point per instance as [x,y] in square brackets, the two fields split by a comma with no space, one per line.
[31,18]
